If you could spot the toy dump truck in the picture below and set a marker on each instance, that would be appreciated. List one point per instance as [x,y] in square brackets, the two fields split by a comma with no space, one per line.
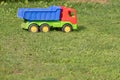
[43,19]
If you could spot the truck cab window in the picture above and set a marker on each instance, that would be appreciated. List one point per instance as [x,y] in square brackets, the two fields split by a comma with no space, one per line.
[71,14]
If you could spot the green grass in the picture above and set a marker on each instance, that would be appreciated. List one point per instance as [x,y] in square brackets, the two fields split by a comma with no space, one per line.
[91,53]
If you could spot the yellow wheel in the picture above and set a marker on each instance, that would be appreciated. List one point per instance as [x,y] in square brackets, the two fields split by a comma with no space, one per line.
[33,28]
[67,28]
[44,28]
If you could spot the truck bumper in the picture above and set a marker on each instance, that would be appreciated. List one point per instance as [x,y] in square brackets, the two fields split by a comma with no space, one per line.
[75,27]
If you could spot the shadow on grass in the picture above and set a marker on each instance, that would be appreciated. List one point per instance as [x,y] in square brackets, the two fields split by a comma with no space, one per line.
[80,28]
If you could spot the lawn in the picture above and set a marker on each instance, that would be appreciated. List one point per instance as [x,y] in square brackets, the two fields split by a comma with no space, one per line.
[91,53]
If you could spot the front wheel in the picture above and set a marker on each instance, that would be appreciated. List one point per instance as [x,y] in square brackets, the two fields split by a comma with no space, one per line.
[33,28]
[67,28]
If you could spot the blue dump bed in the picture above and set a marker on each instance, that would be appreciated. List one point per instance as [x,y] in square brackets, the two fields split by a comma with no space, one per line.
[43,14]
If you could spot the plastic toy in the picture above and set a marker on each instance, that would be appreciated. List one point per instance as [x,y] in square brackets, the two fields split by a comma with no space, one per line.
[43,19]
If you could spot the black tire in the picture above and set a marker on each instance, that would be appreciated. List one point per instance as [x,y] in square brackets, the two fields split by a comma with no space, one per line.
[33,28]
[67,28]
[44,28]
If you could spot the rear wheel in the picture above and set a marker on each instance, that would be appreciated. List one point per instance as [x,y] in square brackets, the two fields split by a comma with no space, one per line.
[67,28]
[33,28]
[45,28]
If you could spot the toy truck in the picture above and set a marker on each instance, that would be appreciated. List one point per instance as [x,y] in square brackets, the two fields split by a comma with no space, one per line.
[43,19]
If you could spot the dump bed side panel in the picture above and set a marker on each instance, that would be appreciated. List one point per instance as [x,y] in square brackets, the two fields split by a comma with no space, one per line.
[30,14]
[20,12]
